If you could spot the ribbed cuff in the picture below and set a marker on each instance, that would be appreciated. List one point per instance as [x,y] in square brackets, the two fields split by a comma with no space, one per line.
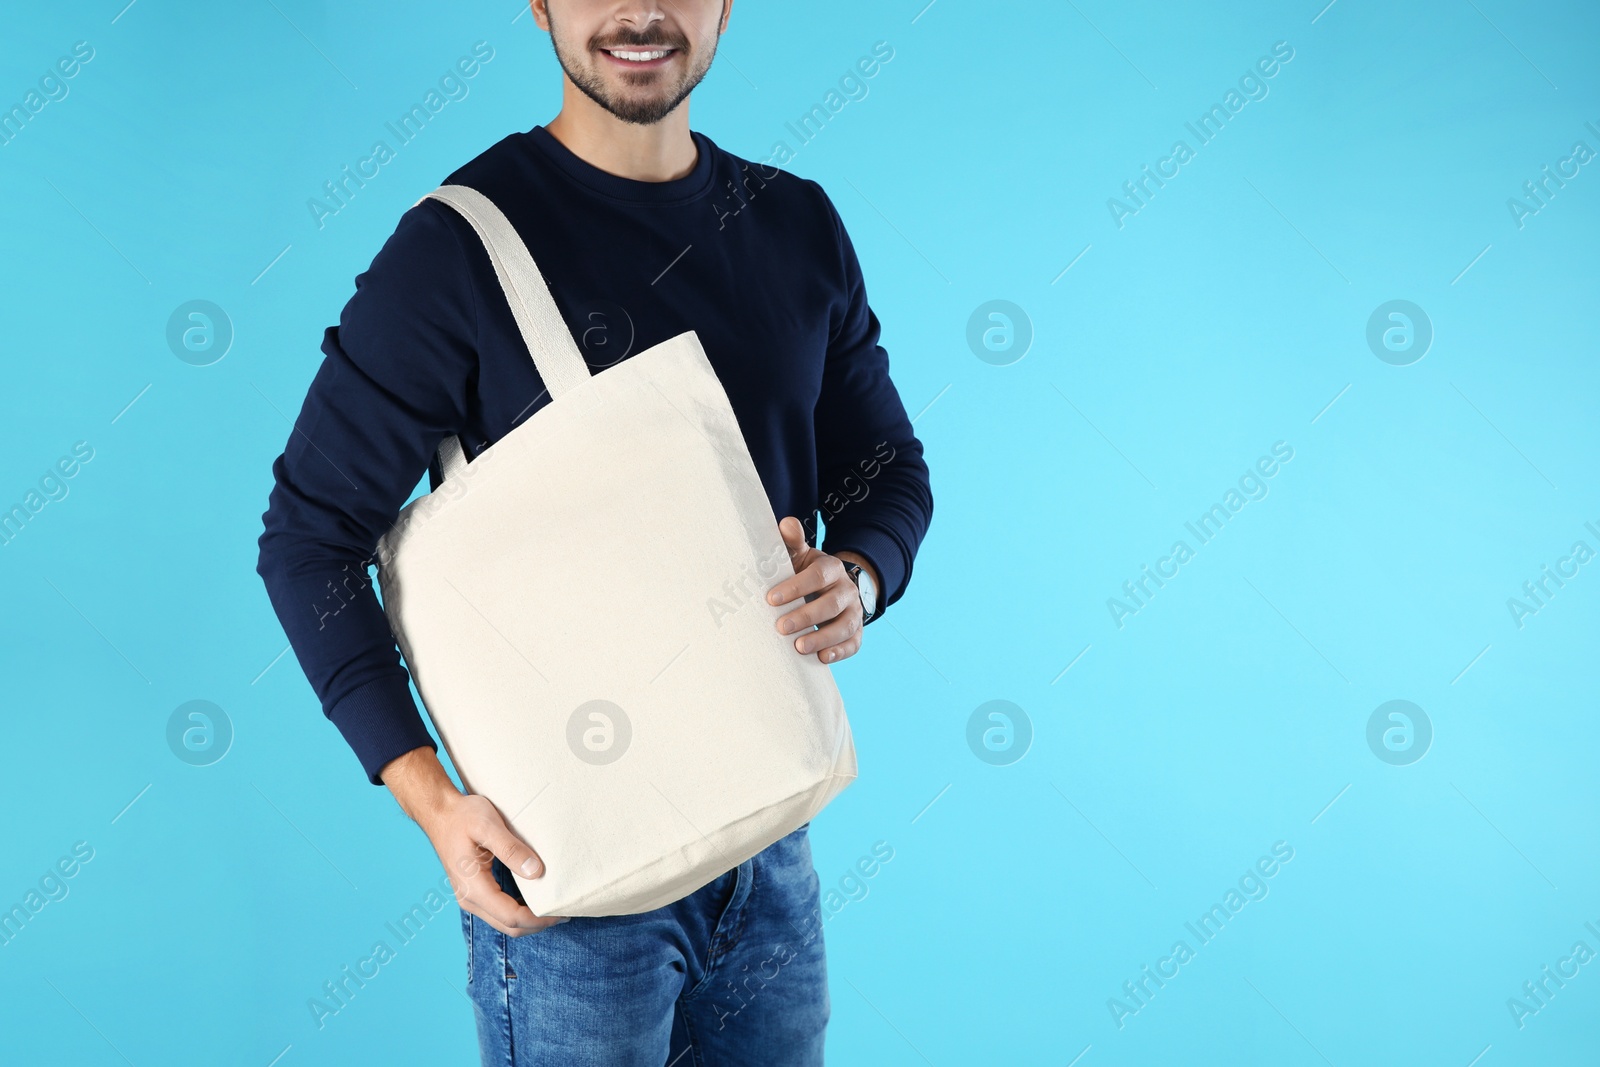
[885,553]
[380,721]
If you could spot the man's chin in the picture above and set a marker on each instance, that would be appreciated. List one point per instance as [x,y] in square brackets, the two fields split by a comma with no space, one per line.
[635,118]
[639,110]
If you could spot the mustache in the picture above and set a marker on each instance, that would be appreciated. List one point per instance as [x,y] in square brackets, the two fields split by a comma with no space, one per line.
[646,40]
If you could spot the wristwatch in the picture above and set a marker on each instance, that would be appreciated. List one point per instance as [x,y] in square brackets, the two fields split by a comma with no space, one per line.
[864,586]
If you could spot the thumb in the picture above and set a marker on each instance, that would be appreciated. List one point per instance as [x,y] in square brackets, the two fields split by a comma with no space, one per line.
[794,538]
[512,851]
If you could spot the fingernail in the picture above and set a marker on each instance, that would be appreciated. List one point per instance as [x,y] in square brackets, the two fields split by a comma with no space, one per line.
[565,920]
[530,868]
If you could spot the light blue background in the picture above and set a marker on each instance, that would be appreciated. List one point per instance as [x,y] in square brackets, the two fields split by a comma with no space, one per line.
[1225,716]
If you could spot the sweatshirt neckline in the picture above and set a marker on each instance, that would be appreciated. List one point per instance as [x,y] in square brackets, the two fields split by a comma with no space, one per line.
[688,187]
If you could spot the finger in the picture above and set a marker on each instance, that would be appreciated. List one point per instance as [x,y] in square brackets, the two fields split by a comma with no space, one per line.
[794,536]
[845,626]
[794,542]
[482,896]
[828,605]
[522,931]
[820,573]
[479,893]
[544,924]
[509,849]
[843,650]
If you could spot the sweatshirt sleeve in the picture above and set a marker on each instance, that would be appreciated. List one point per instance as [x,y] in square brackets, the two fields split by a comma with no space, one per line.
[873,489]
[394,381]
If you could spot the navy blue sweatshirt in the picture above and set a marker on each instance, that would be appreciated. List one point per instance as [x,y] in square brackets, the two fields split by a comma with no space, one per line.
[753,259]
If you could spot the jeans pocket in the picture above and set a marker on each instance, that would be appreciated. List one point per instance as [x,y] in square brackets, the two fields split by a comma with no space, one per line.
[466,935]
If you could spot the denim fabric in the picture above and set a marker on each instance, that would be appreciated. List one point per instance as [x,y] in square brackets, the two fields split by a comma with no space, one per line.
[733,974]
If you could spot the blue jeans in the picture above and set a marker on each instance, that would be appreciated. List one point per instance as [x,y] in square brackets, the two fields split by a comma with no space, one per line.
[732,974]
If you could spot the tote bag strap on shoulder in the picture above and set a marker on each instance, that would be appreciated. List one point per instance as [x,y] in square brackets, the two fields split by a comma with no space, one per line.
[556,356]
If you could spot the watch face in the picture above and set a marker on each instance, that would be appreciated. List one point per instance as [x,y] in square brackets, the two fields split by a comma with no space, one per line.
[869,592]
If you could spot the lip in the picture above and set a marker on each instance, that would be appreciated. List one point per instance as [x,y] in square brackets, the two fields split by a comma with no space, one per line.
[628,64]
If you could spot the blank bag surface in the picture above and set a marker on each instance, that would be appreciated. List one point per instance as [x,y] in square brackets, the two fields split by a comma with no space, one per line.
[582,609]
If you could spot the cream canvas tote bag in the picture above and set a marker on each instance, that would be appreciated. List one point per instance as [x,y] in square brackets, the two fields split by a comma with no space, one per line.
[583,612]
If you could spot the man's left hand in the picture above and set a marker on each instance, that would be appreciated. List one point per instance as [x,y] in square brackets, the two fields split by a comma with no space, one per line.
[833,603]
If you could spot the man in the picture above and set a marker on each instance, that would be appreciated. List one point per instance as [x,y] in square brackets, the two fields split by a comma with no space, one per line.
[643,229]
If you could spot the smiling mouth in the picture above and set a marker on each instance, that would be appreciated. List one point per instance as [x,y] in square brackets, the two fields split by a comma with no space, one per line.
[640,57]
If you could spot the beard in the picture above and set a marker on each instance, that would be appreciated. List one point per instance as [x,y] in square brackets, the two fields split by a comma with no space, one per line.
[640,108]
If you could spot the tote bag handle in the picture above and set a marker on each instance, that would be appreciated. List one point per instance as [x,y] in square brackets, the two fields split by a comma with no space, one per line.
[556,356]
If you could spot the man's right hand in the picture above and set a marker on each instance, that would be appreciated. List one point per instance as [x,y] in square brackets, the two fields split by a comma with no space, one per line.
[468,833]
